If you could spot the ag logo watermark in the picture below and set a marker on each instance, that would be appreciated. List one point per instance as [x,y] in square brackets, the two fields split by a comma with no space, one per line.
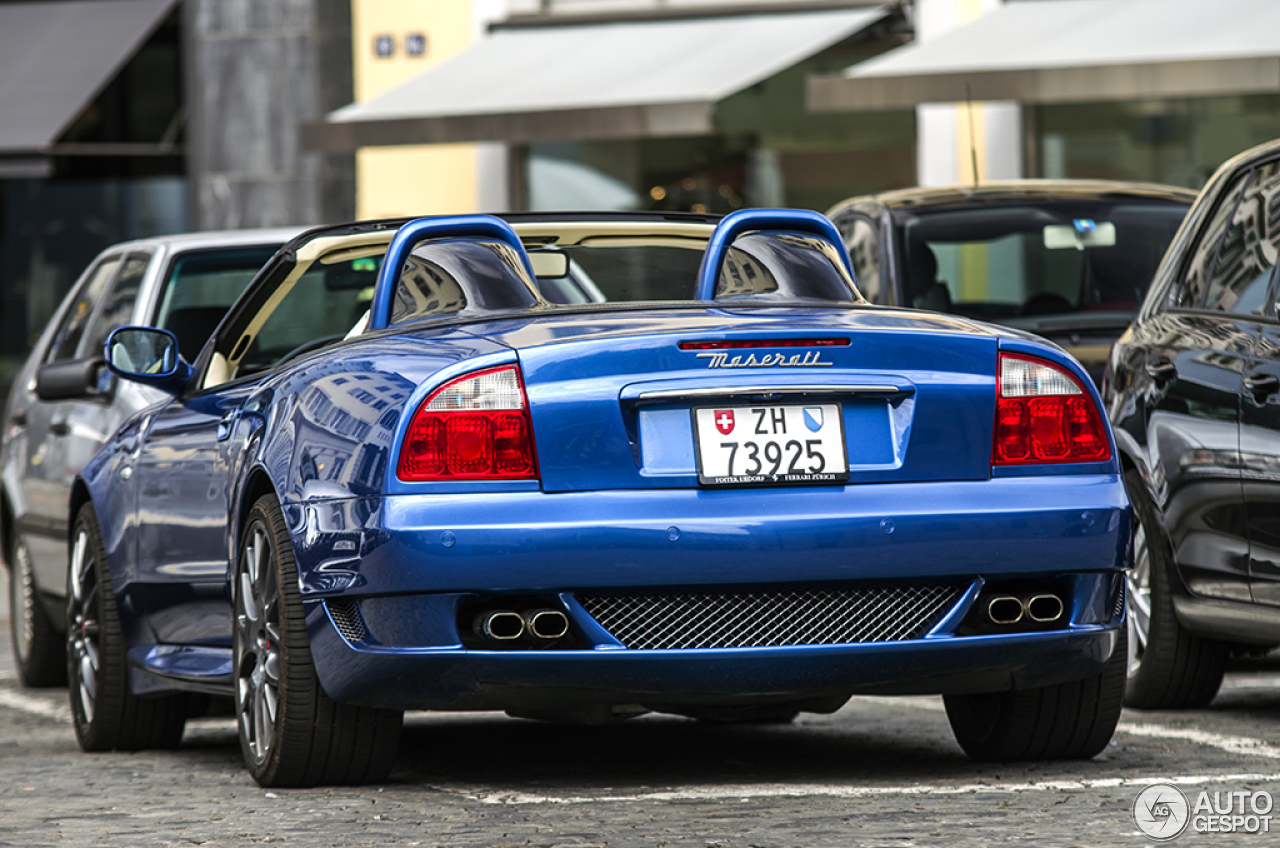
[1162,812]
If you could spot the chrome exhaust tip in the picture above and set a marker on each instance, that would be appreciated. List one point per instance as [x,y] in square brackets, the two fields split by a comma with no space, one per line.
[1044,608]
[546,623]
[1005,609]
[501,625]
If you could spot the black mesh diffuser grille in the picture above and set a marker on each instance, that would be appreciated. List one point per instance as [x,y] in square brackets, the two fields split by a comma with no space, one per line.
[765,619]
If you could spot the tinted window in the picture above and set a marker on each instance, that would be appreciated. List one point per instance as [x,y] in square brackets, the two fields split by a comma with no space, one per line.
[1017,263]
[117,306]
[861,237]
[200,286]
[1247,256]
[71,330]
[1190,292]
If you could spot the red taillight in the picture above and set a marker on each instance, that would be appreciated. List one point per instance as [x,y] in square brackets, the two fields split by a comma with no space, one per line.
[1044,415]
[473,428]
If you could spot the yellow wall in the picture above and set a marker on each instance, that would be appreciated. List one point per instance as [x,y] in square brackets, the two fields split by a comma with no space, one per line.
[421,179]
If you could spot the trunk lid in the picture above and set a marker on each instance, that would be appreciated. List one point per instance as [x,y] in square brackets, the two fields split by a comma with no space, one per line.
[612,394]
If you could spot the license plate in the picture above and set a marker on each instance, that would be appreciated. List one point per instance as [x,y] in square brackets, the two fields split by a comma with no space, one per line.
[770,445]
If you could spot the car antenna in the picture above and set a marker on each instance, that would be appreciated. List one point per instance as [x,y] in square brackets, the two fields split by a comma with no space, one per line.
[973,142]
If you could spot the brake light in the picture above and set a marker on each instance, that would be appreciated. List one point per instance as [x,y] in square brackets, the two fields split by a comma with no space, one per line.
[744,344]
[473,428]
[1044,415]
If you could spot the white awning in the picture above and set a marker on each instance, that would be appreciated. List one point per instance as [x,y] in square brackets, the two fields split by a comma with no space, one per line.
[589,81]
[54,59]
[1055,51]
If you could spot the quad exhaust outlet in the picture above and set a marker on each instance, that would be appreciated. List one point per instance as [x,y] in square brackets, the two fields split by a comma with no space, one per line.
[1043,608]
[538,625]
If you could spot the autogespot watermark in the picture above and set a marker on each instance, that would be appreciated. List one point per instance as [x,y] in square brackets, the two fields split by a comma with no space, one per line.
[1162,811]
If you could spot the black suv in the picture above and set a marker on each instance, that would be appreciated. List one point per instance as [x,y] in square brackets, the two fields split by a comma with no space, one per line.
[1193,389]
[1067,259]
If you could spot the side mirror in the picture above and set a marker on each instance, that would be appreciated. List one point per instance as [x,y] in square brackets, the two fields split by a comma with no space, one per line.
[147,356]
[73,379]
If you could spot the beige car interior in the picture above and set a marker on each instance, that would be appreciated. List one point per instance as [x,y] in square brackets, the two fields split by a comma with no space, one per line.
[335,249]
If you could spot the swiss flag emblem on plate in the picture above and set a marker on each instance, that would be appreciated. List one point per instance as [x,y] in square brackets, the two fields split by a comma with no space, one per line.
[724,421]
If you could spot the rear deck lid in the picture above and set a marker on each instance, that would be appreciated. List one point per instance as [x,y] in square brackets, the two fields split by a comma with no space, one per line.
[649,399]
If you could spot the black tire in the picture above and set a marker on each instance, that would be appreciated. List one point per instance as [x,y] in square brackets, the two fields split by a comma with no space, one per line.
[1069,721]
[39,650]
[1168,667]
[291,733]
[107,716]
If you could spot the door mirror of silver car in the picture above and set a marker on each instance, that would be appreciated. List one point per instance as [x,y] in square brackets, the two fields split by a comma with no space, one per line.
[148,356]
[74,379]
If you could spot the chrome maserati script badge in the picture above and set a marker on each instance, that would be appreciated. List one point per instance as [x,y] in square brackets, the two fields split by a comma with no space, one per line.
[811,359]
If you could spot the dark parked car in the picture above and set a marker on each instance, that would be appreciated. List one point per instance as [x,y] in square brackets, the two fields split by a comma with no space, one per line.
[1193,389]
[723,486]
[64,404]
[1066,259]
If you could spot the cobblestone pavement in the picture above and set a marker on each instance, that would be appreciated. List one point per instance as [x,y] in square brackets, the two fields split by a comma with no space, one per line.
[881,772]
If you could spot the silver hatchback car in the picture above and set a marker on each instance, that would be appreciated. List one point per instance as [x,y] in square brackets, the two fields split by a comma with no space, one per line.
[64,404]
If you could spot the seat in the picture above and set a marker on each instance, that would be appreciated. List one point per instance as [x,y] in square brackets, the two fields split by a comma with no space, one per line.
[927,291]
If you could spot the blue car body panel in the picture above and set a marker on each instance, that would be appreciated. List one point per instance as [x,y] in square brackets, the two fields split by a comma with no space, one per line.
[388,570]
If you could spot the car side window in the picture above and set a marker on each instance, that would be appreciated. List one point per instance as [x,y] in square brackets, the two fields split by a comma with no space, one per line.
[1247,258]
[117,306]
[71,330]
[861,237]
[1190,293]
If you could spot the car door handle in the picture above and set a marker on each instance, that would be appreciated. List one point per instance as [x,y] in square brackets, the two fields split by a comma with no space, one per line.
[59,427]
[1162,369]
[19,418]
[1262,385]
[227,423]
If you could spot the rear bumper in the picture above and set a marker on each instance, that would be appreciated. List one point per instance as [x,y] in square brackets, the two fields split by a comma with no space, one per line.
[410,563]
[459,679]
[681,537]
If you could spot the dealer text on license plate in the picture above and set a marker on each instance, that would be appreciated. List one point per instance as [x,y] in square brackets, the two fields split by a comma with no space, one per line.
[770,444]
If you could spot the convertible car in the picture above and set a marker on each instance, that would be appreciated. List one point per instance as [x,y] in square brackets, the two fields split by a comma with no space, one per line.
[578,467]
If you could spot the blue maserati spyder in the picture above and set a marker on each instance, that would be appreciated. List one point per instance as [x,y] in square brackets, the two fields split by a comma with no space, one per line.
[583,466]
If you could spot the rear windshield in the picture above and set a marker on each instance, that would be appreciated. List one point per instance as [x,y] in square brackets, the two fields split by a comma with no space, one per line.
[1026,265]
[199,288]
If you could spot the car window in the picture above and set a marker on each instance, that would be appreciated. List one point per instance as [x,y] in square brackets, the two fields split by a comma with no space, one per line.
[1247,258]
[1022,263]
[620,273]
[1189,293]
[321,306]
[117,306]
[71,330]
[861,237]
[199,287]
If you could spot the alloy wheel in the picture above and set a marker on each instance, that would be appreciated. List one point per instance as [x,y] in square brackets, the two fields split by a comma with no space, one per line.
[1138,582]
[83,628]
[257,643]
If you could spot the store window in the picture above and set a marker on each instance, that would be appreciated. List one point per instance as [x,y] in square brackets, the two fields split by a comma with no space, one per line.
[1177,142]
